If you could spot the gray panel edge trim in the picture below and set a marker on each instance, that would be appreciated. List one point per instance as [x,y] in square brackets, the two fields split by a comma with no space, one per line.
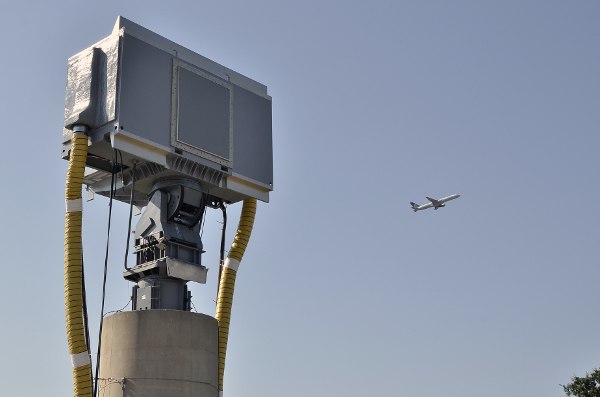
[252,181]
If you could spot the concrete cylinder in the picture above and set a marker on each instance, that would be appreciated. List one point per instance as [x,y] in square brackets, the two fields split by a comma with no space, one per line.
[159,353]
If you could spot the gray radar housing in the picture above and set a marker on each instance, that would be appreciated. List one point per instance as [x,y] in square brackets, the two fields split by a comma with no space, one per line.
[169,113]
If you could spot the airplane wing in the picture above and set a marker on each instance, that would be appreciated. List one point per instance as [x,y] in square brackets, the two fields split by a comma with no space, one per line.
[433,201]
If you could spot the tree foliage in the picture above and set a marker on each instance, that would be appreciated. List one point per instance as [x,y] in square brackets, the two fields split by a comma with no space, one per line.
[585,386]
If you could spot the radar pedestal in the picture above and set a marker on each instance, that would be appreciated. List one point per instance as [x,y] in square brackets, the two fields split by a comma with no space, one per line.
[168,247]
[161,349]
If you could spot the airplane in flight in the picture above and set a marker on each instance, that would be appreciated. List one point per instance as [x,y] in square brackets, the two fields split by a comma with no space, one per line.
[433,203]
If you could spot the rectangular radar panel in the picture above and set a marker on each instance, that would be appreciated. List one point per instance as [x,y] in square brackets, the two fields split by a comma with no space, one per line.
[159,110]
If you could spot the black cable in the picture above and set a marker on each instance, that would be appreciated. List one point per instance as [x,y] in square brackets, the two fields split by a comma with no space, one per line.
[223,229]
[222,256]
[130,215]
[112,193]
[121,168]
[118,310]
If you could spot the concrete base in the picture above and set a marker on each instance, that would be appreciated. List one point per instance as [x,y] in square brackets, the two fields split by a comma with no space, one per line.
[159,353]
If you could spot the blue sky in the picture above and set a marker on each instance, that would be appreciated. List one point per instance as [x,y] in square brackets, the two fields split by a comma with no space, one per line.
[344,290]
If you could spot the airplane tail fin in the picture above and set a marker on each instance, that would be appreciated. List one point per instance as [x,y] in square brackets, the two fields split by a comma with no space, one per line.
[414,206]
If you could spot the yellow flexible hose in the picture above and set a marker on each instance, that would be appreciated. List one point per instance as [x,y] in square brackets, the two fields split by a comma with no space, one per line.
[227,282]
[73,282]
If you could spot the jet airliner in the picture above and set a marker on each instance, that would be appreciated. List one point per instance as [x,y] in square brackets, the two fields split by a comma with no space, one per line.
[433,203]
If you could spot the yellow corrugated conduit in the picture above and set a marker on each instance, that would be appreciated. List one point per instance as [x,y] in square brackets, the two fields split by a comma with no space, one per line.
[73,278]
[227,281]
